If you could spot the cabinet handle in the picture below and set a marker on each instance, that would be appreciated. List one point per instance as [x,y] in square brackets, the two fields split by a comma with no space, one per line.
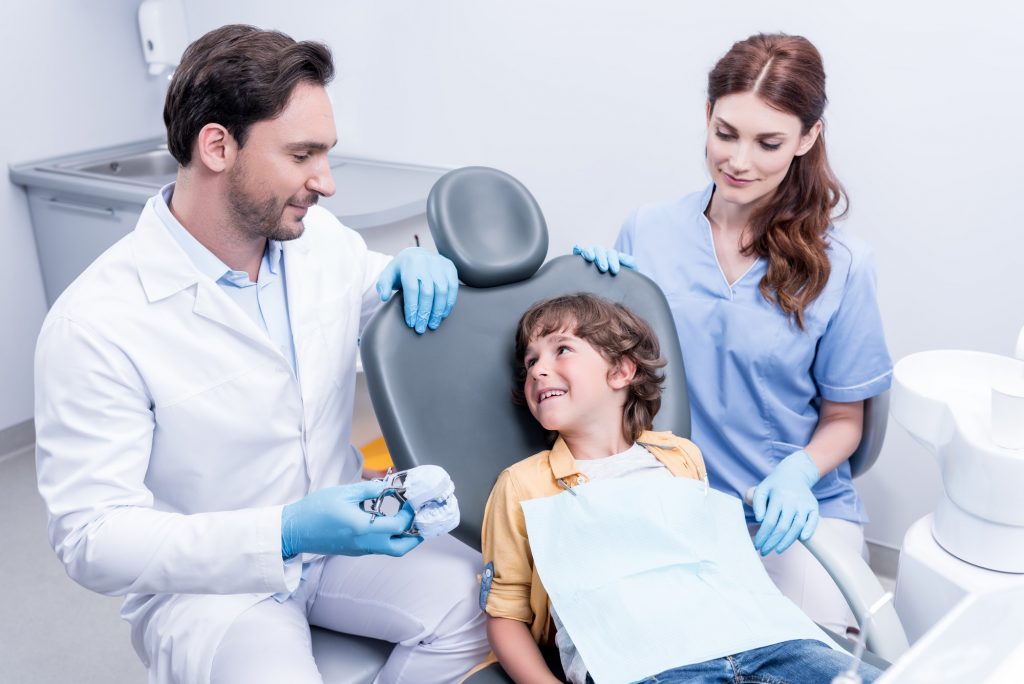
[58,203]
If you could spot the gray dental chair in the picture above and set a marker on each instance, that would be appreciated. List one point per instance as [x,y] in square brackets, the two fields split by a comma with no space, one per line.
[445,397]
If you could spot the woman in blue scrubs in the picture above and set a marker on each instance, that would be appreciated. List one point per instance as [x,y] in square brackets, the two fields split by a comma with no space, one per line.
[775,308]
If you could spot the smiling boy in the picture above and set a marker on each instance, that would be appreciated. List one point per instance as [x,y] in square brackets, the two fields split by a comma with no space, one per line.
[589,372]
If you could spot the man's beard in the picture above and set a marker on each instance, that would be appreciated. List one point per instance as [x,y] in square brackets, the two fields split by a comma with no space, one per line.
[262,217]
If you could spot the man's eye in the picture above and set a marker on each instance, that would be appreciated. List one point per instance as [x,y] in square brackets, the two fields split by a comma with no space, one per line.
[300,157]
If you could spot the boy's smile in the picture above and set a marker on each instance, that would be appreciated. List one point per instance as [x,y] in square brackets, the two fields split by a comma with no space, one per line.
[548,394]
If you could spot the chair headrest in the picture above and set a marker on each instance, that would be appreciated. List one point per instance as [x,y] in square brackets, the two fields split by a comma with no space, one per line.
[488,224]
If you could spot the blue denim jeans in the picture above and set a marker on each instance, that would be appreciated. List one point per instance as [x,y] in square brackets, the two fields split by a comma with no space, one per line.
[802,661]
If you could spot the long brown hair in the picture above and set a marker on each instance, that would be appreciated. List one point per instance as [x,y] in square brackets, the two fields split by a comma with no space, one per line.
[616,333]
[789,230]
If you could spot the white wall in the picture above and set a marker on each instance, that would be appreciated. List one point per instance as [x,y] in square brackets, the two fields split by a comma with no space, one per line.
[72,78]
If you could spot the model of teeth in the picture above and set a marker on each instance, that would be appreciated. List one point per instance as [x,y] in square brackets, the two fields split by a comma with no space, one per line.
[431,493]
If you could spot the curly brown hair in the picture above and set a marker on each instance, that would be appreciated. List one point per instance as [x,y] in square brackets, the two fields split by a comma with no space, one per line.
[616,333]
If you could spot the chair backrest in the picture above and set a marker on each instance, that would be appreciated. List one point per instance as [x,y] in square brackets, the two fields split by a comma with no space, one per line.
[445,397]
[876,419]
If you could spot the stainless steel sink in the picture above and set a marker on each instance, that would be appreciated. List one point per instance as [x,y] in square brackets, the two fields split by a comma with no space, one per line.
[144,164]
[84,202]
[155,163]
[371,193]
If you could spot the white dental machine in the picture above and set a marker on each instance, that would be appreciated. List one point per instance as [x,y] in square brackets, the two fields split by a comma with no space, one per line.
[961,569]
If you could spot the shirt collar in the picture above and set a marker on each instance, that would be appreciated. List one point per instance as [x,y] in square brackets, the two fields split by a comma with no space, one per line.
[273,256]
[705,198]
[563,464]
[202,258]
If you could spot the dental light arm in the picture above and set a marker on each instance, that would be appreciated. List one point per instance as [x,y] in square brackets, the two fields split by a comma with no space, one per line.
[860,588]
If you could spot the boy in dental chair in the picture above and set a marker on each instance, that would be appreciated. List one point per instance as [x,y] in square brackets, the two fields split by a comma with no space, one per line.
[610,546]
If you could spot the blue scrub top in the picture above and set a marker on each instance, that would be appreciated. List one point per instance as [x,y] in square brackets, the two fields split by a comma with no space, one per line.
[755,379]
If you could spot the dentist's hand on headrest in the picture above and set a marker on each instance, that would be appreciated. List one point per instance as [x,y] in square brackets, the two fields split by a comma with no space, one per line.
[429,285]
[332,522]
[785,505]
[605,259]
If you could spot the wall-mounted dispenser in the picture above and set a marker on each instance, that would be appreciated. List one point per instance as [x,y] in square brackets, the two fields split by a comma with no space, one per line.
[163,33]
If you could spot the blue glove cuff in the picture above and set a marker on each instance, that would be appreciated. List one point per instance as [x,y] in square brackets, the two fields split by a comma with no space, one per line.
[802,463]
[287,514]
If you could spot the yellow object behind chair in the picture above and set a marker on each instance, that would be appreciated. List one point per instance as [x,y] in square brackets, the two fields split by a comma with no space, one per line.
[376,456]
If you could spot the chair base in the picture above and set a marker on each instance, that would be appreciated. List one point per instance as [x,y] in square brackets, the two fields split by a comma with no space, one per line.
[347,659]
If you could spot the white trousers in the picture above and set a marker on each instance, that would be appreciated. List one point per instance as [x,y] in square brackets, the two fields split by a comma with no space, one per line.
[426,603]
[802,579]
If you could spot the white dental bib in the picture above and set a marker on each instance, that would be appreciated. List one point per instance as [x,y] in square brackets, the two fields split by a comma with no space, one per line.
[648,576]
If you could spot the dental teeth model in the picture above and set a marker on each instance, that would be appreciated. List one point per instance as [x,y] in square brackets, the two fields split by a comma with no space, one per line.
[429,491]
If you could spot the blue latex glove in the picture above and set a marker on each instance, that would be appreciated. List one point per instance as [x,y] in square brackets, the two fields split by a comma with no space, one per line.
[605,259]
[331,522]
[784,504]
[429,285]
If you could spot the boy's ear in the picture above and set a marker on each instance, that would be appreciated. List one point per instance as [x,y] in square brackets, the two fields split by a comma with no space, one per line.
[622,373]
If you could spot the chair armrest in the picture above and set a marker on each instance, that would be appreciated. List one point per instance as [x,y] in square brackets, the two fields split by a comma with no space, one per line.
[861,589]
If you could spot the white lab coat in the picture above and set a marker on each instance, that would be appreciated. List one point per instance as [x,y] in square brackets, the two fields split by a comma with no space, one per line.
[171,431]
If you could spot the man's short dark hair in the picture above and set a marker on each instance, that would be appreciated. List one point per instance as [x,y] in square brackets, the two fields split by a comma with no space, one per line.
[235,76]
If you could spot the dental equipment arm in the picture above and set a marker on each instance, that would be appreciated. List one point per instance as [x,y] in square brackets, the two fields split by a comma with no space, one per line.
[866,621]
[861,590]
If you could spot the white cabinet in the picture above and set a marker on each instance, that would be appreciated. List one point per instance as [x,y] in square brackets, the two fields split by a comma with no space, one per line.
[72,230]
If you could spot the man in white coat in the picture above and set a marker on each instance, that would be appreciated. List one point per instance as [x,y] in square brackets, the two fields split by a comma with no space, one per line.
[194,396]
